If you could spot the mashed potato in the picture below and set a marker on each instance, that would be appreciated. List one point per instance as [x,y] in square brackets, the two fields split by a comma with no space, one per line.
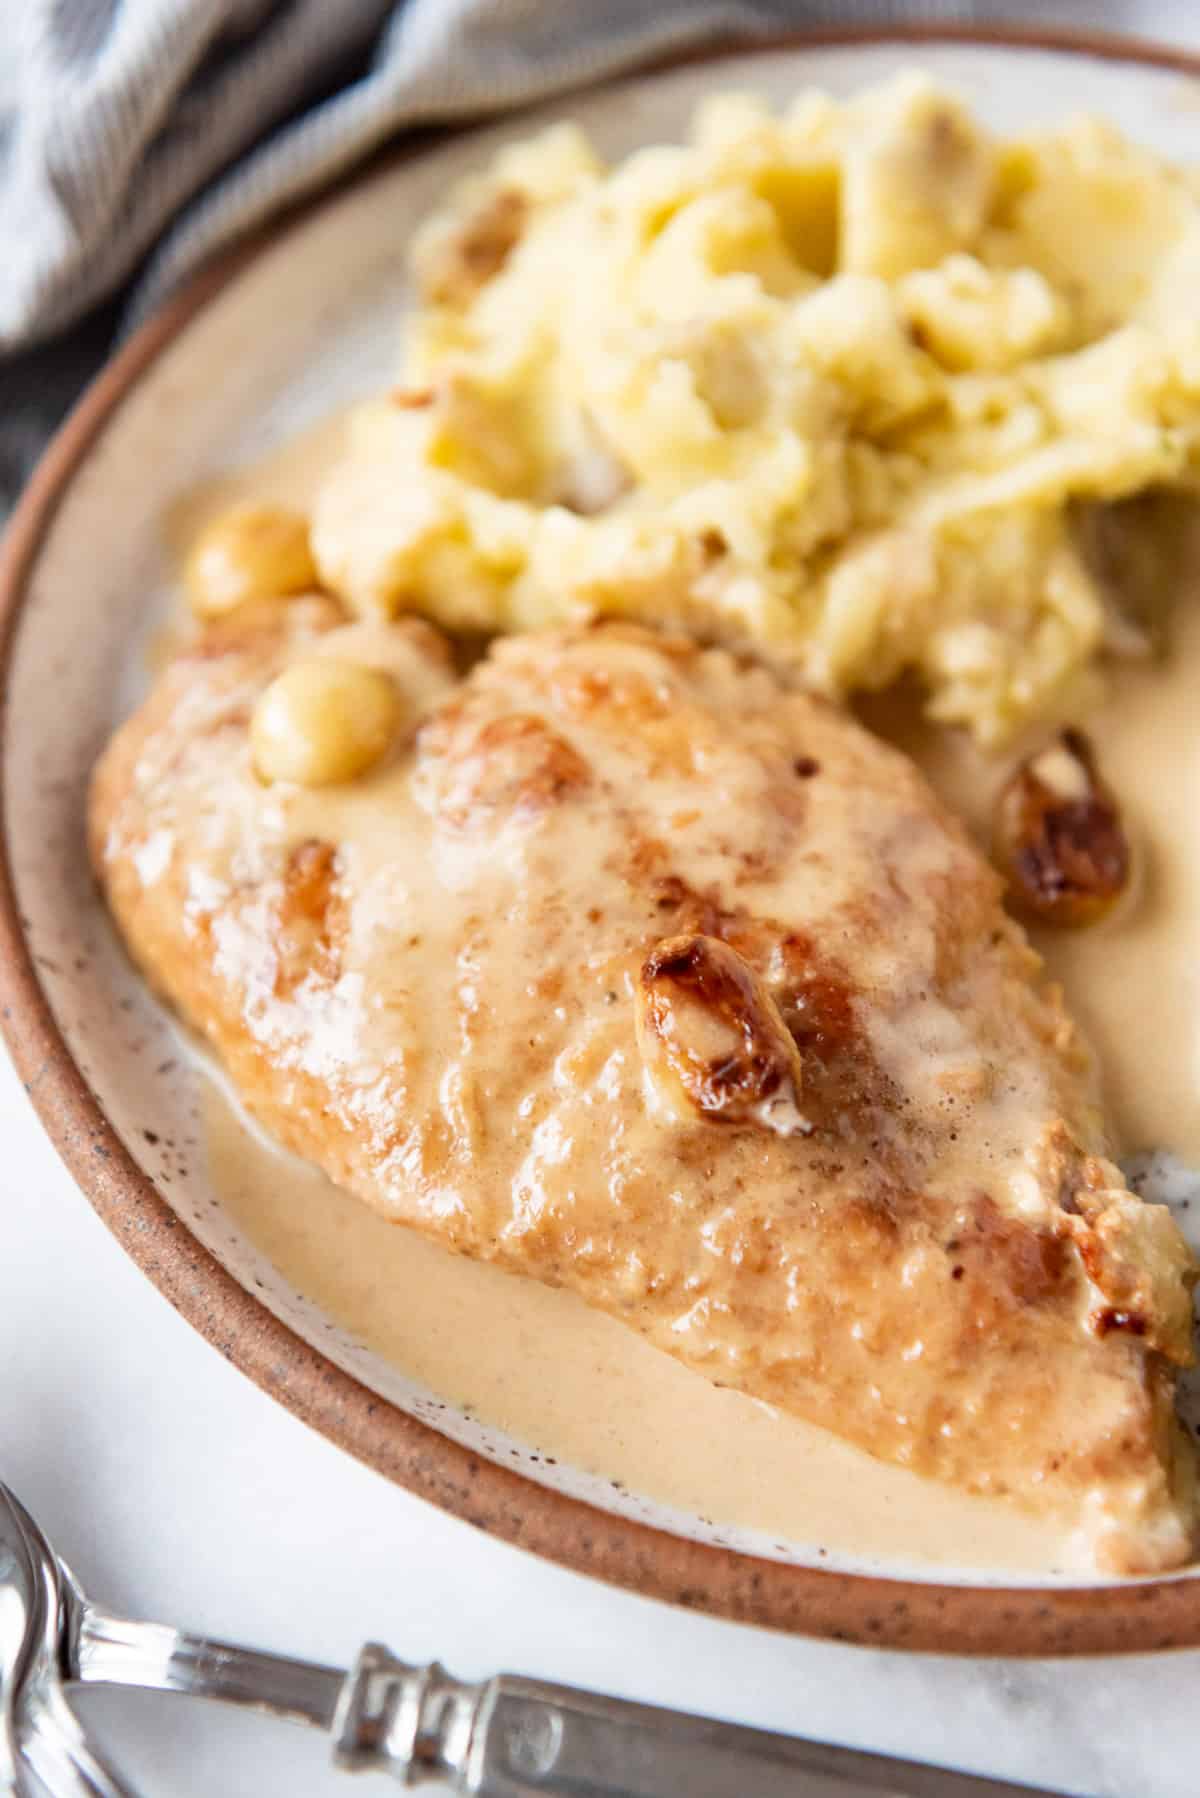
[829,384]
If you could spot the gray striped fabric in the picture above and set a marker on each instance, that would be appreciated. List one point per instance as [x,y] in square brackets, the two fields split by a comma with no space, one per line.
[137,137]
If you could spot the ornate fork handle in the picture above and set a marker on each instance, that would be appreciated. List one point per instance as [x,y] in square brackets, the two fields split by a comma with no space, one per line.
[505,1737]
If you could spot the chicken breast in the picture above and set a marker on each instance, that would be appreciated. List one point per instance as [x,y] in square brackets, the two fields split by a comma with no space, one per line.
[637,973]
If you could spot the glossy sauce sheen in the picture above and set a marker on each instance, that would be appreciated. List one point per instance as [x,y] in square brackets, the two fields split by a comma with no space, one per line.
[547,1369]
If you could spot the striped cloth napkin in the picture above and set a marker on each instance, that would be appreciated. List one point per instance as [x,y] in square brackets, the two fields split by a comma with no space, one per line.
[138,137]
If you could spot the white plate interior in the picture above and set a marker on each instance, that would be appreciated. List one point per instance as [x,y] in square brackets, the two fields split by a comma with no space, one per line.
[308,327]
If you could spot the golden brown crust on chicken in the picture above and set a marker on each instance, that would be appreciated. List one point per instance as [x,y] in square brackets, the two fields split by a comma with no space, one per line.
[637,974]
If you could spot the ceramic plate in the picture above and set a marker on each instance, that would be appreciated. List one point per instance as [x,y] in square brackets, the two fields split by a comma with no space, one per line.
[252,354]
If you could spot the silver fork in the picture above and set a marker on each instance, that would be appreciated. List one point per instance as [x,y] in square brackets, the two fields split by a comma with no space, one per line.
[504,1738]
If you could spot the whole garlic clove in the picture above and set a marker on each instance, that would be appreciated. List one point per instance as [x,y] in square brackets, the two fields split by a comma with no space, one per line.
[713,1041]
[324,721]
[1059,838]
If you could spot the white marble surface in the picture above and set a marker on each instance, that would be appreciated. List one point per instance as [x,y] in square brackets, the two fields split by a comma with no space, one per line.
[179,1491]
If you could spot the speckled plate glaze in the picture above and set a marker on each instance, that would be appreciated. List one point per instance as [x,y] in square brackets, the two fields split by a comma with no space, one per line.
[254,351]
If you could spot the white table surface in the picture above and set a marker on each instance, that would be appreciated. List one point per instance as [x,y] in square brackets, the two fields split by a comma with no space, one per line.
[179,1491]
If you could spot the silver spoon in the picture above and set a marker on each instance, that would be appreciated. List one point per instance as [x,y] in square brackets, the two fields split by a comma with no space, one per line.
[37,1728]
[504,1738]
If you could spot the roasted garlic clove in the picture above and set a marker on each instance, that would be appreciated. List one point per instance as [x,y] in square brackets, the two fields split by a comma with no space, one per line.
[324,721]
[249,553]
[712,1038]
[1059,840]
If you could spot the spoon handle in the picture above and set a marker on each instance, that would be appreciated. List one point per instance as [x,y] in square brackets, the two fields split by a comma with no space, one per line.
[505,1737]
[115,1651]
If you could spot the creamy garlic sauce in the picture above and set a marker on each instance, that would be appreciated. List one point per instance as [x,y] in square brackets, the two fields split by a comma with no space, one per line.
[1132,982]
[577,1385]
[289,476]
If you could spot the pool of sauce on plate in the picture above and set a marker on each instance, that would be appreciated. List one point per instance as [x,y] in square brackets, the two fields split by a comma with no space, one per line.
[288,476]
[576,1385]
[1132,982]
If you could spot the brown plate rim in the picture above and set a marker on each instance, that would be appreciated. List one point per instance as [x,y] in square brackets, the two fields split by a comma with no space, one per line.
[1133,1616]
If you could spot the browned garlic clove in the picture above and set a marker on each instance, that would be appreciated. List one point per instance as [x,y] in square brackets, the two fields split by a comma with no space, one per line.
[712,1038]
[1059,839]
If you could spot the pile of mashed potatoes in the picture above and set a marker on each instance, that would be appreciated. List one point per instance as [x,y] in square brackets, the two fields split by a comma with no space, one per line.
[836,385]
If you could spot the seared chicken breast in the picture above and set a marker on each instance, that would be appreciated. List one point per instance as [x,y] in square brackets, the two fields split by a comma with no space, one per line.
[633,971]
